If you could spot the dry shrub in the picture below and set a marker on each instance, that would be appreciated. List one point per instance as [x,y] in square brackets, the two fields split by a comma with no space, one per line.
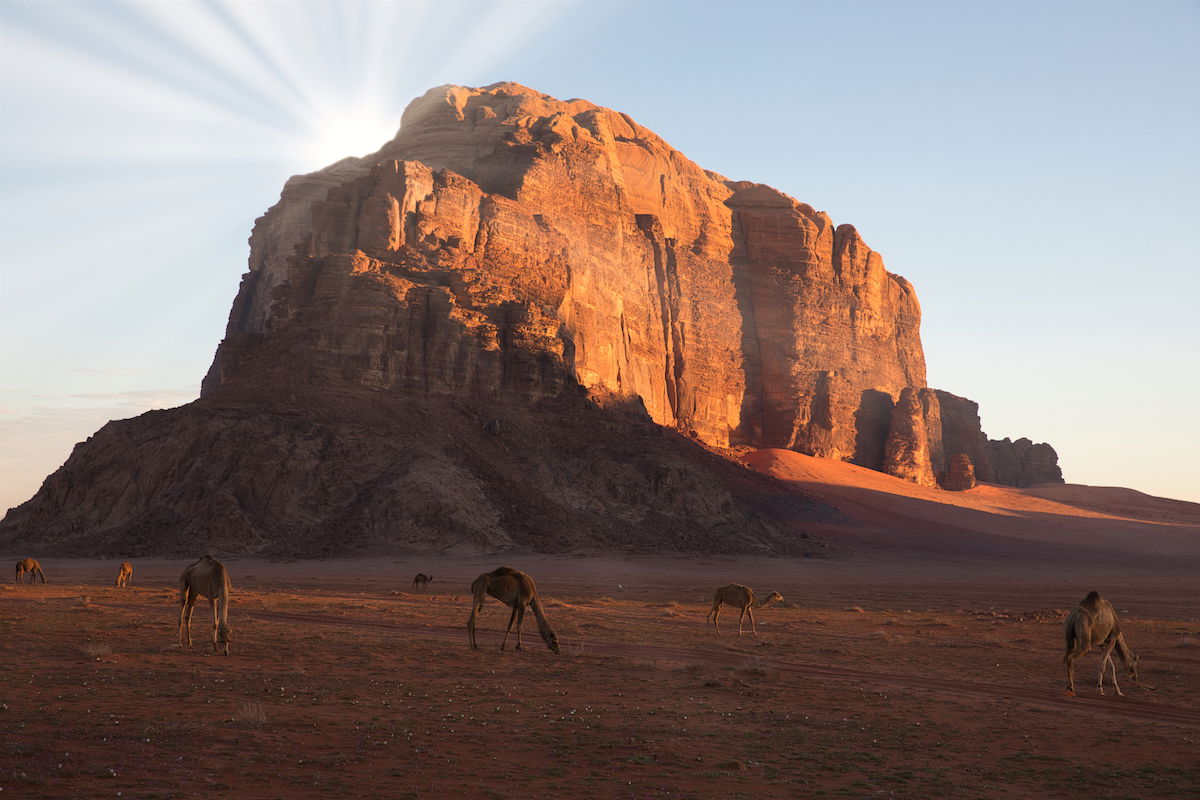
[252,715]
[97,650]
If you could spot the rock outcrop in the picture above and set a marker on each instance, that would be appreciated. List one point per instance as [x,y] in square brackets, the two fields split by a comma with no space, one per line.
[1023,463]
[510,254]
[959,475]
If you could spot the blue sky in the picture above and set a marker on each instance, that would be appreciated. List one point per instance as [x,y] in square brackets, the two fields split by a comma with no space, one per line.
[1032,168]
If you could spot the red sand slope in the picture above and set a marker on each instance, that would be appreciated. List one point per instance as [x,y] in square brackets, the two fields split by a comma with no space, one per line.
[1092,521]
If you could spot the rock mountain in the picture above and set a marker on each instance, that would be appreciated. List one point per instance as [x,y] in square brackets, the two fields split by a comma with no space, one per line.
[530,323]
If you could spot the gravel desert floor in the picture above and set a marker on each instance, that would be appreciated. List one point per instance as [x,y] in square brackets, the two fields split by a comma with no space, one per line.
[875,678]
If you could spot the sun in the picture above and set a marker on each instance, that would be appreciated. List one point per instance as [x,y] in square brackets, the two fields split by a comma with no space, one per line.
[354,131]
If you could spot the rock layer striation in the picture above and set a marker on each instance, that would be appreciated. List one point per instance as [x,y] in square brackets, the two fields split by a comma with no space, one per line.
[507,250]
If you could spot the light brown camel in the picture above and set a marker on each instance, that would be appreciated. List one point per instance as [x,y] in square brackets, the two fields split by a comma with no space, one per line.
[739,596]
[515,589]
[124,574]
[206,578]
[32,567]
[421,580]
[1094,622]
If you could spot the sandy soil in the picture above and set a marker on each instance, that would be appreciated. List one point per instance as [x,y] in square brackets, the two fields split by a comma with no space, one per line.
[876,678]
[922,659]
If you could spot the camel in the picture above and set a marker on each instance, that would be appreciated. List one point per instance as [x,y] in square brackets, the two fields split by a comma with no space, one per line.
[206,578]
[515,589]
[421,580]
[739,596]
[124,574]
[1094,622]
[32,567]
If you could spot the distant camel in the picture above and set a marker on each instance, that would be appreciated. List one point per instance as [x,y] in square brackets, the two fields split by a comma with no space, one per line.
[515,589]
[1094,622]
[421,580]
[32,567]
[739,596]
[124,574]
[206,578]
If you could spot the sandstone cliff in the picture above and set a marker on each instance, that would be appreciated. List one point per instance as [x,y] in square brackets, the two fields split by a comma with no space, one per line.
[510,254]
[505,241]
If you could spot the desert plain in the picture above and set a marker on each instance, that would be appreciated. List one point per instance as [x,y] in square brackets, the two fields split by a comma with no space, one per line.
[916,660]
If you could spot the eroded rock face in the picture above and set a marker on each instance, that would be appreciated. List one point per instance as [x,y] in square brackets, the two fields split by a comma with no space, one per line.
[508,244]
[960,474]
[318,474]
[546,269]
[1023,463]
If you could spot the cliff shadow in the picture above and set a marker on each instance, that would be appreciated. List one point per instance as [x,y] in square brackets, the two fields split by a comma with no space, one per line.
[752,424]
[871,423]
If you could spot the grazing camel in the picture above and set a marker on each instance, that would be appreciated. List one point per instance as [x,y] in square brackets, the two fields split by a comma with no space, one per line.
[515,589]
[124,574]
[32,567]
[739,596]
[421,580]
[206,578]
[1094,622]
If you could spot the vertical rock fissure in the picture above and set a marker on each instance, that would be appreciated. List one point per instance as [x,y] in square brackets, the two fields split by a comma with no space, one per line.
[751,423]
[666,277]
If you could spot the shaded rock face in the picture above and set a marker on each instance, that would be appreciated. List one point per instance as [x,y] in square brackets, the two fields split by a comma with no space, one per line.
[960,474]
[1023,463]
[325,475]
[473,340]
[961,433]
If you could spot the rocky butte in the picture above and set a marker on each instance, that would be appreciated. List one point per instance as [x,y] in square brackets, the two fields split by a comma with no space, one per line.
[527,322]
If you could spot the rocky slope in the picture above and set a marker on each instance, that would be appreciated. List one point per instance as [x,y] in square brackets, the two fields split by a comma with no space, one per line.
[509,253]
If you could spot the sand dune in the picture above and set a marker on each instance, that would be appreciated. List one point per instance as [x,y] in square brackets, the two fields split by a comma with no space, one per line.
[1051,520]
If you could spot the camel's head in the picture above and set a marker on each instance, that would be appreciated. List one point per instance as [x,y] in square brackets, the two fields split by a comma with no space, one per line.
[551,640]
[774,597]
[1133,668]
[221,643]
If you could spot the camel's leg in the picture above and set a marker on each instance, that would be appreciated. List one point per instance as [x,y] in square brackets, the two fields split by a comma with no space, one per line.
[1070,662]
[213,605]
[1113,665]
[1106,660]
[185,621]
[753,626]
[716,612]
[475,609]
[511,619]
[742,617]
[520,622]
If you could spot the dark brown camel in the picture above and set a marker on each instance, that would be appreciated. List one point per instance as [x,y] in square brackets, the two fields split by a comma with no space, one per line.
[515,589]
[206,578]
[32,567]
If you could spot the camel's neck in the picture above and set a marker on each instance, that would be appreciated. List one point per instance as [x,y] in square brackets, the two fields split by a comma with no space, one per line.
[221,596]
[1124,653]
[535,604]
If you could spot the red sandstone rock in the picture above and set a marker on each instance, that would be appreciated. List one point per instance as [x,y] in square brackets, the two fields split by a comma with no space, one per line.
[514,233]
[959,475]
[1023,463]
[510,255]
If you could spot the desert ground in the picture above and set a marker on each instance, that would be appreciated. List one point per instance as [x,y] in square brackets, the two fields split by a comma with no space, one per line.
[922,658]
[873,679]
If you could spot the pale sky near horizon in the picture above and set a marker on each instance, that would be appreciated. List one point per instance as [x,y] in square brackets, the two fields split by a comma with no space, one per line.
[1033,168]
